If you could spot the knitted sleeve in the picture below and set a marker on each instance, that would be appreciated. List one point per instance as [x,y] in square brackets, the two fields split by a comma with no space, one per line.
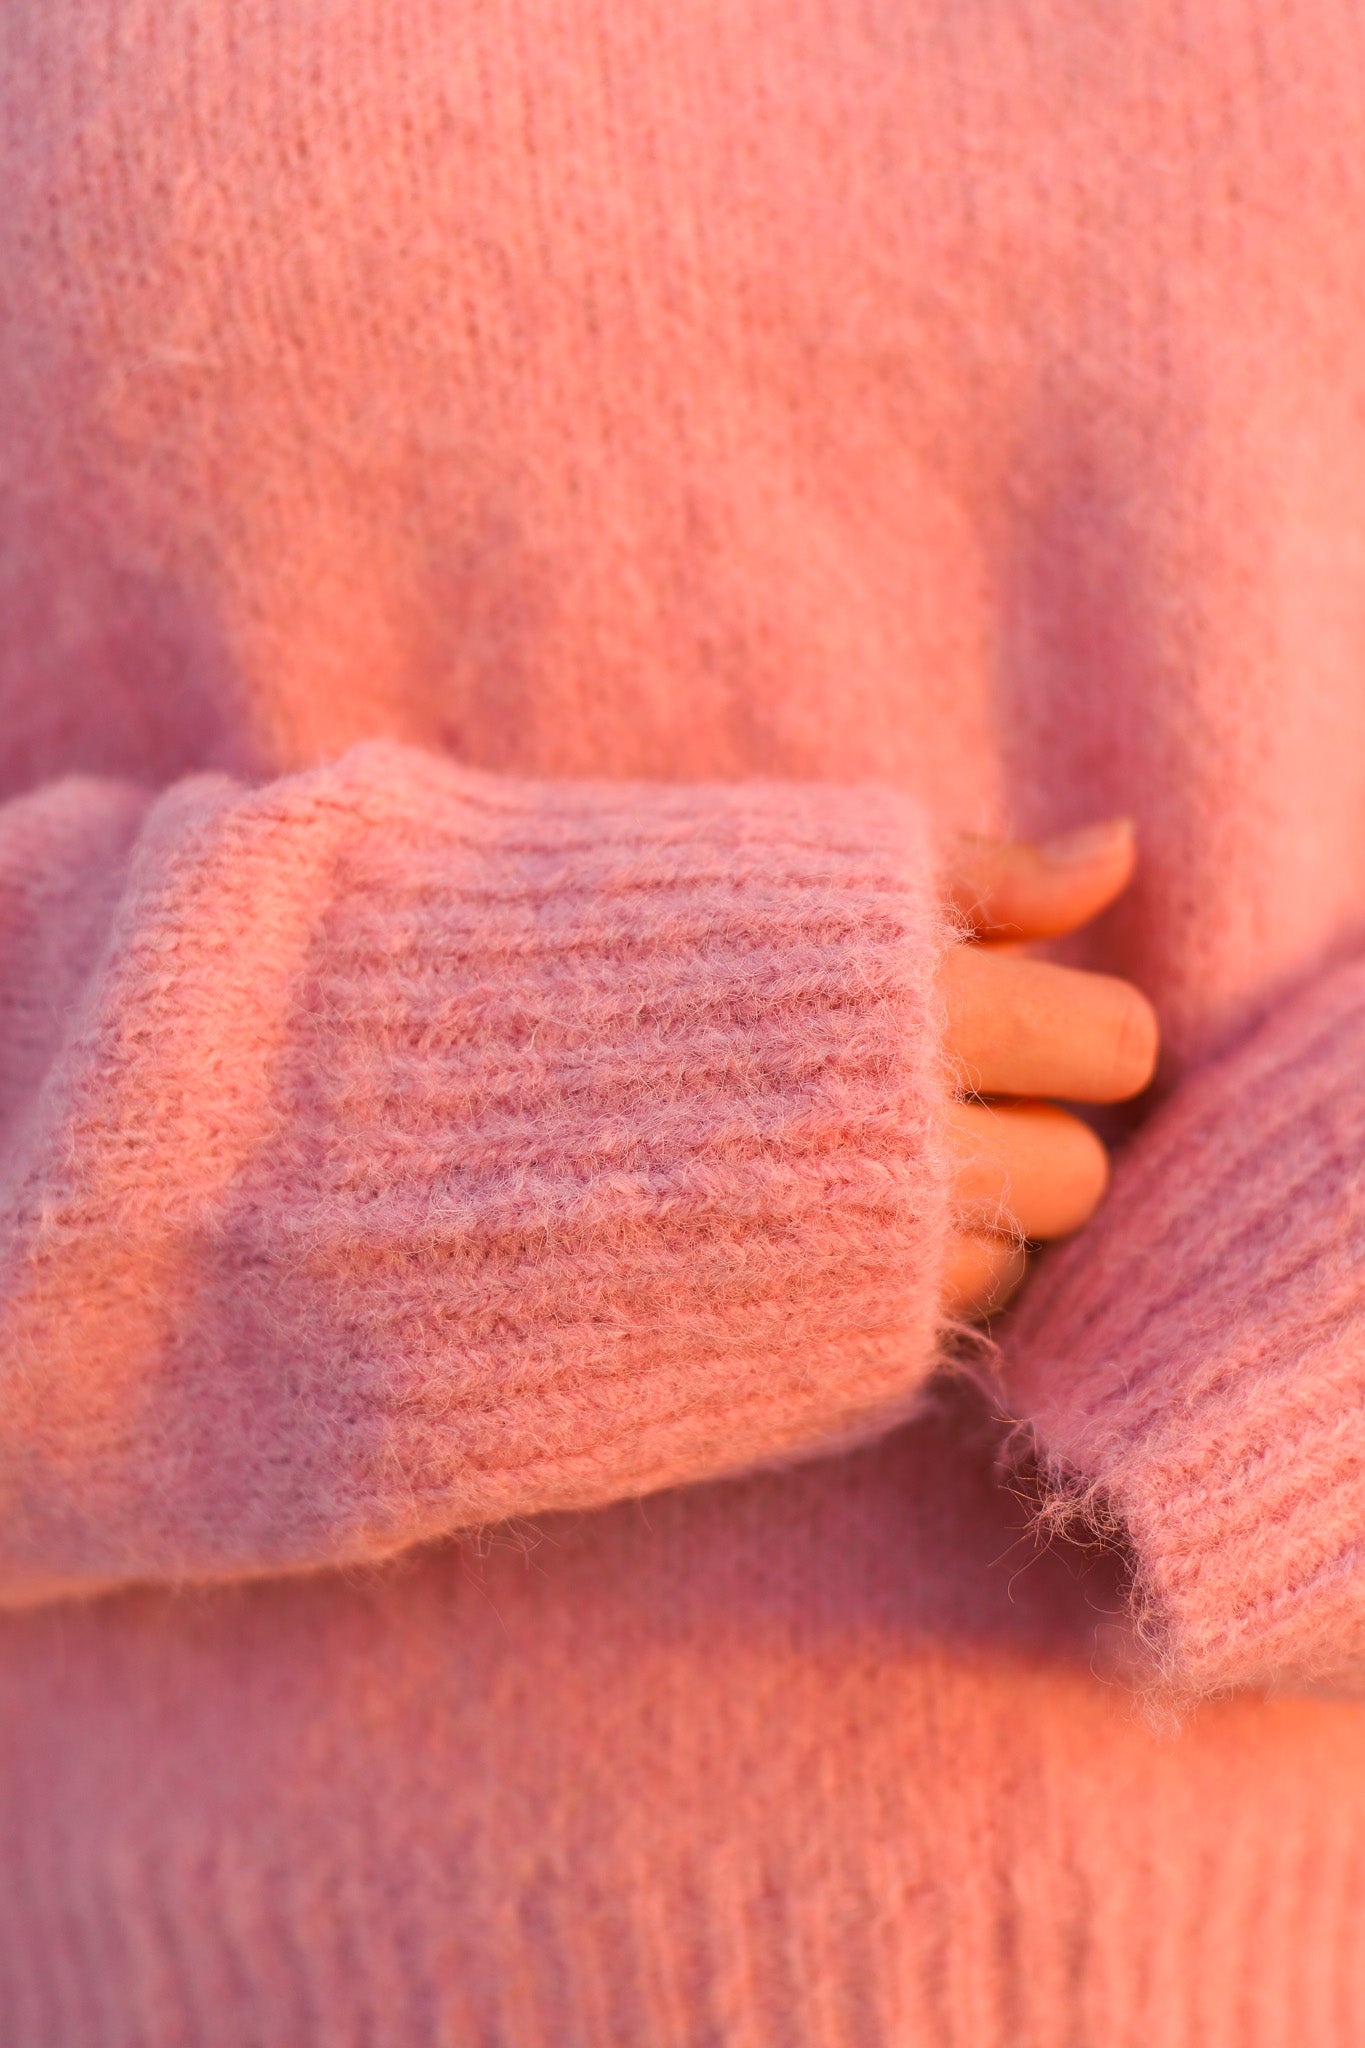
[394,1149]
[1193,1367]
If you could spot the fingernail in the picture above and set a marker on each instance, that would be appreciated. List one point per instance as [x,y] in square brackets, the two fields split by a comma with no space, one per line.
[1089,843]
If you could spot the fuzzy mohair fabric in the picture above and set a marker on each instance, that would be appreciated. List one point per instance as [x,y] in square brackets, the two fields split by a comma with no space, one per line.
[1195,1366]
[520,526]
[454,1148]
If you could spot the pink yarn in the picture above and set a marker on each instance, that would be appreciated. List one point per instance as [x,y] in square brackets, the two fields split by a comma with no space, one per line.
[446,1148]
[1195,1365]
[485,493]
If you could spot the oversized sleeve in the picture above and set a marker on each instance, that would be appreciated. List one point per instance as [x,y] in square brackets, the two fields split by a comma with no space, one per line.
[393,1149]
[1192,1368]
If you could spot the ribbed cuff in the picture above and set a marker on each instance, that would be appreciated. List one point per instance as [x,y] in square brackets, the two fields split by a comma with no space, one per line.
[437,1148]
[1193,1366]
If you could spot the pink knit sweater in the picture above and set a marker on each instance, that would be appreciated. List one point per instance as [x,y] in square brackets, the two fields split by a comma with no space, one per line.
[518,524]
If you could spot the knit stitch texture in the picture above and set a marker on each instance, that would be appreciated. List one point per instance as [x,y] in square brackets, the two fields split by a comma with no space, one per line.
[445,1149]
[1195,1366]
[521,524]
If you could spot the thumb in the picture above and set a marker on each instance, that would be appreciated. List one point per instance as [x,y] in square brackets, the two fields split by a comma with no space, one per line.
[1013,889]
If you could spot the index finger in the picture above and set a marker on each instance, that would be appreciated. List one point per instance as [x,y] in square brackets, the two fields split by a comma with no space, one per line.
[1012,889]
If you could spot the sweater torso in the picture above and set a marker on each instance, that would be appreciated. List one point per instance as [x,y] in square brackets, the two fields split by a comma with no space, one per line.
[965,399]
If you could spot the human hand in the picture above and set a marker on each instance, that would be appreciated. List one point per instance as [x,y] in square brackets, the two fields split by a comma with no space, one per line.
[1020,1030]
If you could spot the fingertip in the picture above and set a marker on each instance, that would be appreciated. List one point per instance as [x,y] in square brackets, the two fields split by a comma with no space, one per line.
[1080,873]
[1099,1166]
[1079,1174]
[1137,1045]
[985,1271]
[1107,843]
[1014,890]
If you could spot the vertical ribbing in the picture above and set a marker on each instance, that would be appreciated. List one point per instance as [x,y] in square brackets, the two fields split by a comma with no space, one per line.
[1248,1932]
[1193,1366]
[970,395]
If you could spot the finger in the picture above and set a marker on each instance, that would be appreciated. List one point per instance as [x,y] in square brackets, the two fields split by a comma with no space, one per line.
[1025,1167]
[1013,889]
[1027,1027]
[984,1271]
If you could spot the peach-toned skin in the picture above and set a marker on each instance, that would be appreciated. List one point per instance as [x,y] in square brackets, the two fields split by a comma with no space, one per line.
[564,570]
[1025,1029]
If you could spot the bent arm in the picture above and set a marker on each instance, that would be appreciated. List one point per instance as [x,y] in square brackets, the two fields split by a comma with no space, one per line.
[395,1149]
[1193,1368]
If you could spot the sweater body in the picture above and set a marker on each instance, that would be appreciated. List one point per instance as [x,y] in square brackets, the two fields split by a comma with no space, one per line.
[822,1757]
[484,494]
